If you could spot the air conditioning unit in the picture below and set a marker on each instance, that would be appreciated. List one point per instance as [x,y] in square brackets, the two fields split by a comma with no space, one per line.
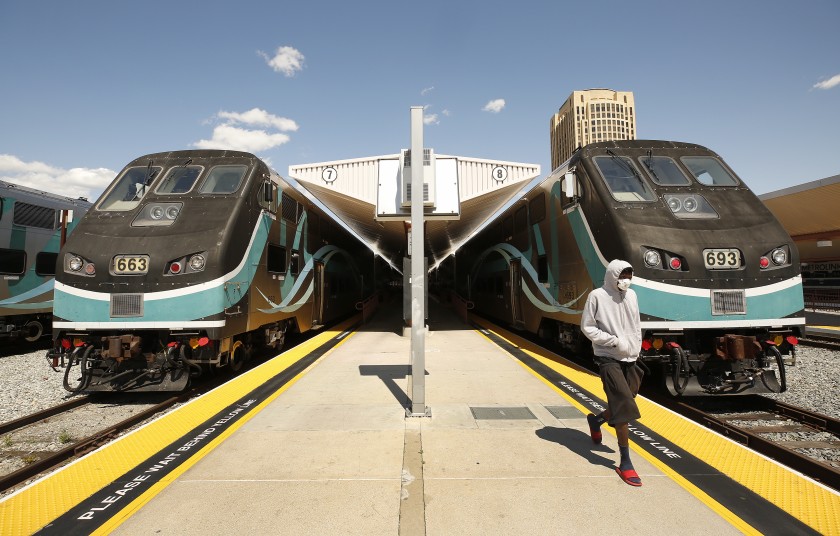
[428,177]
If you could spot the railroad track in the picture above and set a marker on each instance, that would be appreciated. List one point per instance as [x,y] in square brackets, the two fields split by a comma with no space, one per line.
[750,419]
[45,461]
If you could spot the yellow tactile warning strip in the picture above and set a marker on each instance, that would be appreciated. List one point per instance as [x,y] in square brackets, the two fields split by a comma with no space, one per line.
[804,499]
[35,506]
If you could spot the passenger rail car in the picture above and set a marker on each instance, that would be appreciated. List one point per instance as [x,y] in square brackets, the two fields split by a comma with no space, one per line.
[189,261]
[716,275]
[33,224]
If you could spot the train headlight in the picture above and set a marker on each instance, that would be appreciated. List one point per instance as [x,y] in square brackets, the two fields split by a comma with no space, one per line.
[172,211]
[690,204]
[90,269]
[674,204]
[76,263]
[197,262]
[779,256]
[156,212]
[652,258]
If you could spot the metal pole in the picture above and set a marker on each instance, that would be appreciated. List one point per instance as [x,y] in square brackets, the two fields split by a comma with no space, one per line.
[417,383]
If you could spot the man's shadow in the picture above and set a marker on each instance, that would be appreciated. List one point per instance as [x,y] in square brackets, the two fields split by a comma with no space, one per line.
[578,442]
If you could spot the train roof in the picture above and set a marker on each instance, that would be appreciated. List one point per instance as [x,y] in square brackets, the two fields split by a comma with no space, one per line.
[27,194]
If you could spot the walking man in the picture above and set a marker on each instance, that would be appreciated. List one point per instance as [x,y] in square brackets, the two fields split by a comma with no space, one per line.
[611,321]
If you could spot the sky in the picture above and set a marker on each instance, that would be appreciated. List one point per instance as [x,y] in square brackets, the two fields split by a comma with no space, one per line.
[87,86]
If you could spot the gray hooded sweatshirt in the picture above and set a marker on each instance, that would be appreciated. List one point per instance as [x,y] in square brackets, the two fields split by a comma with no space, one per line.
[611,318]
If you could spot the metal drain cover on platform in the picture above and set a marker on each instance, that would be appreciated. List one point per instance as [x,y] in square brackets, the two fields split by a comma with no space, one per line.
[502,413]
[564,412]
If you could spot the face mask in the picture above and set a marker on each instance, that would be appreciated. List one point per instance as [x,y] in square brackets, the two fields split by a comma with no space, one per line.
[623,284]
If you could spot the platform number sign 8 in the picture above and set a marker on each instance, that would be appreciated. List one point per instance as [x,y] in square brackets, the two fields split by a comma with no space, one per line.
[500,173]
[329,175]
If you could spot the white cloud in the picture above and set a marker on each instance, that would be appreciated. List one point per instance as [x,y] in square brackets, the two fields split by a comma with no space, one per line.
[233,133]
[426,90]
[446,113]
[430,119]
[258,117]
[240,139]
[286,60]
[494,106]
[828,84]
[74,182]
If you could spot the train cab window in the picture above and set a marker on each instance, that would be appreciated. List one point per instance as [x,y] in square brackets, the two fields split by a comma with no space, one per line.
[623,179]
[275,259]
[127,191]
[537,209]
[294,263]
[664,171]
[12,261]
[223,179]
[520,220]
[709,171]
[179,180]
[45,263]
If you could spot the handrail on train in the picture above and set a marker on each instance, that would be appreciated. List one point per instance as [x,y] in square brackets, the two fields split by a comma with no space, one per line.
[368,306]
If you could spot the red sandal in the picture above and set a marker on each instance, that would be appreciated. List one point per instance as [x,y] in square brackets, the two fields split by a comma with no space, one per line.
[594,431]
[629,476]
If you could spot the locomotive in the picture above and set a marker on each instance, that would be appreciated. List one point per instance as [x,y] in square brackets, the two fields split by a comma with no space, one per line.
[192,260]
[33,224]
[717,277]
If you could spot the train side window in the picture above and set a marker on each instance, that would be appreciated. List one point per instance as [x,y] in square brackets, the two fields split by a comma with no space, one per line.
[179,180]
[45,263]
[294,263]
[520,220]
[542,269]
[664,171]
[537,208]
[507,228]
[223,179]
[1,207]
[13,261]
[709,171]
[127,191]
[623,179]
[275,261]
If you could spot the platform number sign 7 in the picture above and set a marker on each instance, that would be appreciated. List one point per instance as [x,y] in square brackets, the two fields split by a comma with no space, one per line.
[329,175]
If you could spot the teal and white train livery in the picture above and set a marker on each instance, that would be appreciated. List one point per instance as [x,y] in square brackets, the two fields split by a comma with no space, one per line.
[189,261]
[33,225]
[717,277]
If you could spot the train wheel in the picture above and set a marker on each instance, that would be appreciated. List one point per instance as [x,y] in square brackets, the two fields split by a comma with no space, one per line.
[237,356]
[773,354]
[680,370]
[34,330]
[76,376]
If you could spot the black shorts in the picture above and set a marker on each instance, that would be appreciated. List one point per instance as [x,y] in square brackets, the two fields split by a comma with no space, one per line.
[621,381]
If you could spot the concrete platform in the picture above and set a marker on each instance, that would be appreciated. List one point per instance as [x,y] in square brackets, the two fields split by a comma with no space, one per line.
[335,454]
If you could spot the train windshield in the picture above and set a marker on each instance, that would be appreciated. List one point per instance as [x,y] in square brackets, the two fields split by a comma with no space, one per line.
[179,180]
[664,171]
[129,189]
[623,179]
[709,171]
[223,179]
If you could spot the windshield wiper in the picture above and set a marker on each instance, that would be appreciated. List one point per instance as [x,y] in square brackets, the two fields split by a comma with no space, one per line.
[149,175]
[623,163]
[650,167]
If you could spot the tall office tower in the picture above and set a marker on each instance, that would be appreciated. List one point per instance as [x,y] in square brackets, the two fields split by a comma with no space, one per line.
[589,116]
